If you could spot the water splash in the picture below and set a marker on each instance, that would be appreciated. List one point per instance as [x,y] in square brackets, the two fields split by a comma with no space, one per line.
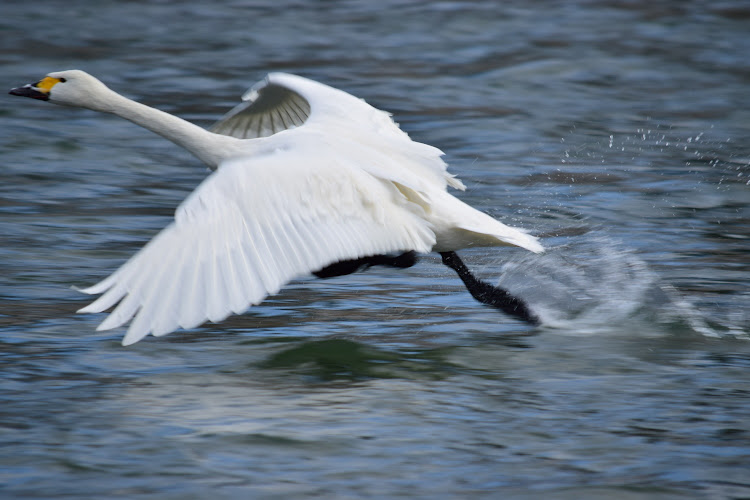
[595,284]
[701,153]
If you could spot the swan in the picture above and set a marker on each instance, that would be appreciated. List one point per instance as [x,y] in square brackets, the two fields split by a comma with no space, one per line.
[306,179]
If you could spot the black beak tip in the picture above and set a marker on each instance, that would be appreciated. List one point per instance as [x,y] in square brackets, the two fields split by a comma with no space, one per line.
[28,91]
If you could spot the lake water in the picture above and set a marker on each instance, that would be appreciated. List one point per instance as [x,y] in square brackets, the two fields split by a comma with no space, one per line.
[617,131]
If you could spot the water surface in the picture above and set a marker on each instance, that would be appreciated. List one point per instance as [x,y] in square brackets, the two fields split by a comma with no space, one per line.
[617,131]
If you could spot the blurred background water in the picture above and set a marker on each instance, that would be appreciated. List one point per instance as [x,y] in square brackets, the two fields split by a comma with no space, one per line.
[616,130]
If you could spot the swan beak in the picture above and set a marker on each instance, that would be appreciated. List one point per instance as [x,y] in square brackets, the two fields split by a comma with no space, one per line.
[39,90]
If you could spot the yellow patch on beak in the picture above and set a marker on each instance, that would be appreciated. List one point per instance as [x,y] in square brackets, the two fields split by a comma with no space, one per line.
[46,84]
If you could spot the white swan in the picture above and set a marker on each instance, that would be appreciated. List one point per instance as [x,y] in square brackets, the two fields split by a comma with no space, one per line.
[306,176]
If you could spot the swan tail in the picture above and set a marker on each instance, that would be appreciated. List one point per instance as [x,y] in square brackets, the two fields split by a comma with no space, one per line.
[459,225]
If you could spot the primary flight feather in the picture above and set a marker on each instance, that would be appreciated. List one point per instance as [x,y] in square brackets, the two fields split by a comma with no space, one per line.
[306,176]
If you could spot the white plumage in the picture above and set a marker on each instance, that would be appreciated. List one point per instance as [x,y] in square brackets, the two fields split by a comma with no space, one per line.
[305,176]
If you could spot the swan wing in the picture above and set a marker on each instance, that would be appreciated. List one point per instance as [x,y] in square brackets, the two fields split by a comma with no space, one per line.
[249,228]
[267,108]
[283,101]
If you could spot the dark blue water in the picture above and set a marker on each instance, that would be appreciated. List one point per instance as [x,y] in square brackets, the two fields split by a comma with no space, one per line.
[618,131]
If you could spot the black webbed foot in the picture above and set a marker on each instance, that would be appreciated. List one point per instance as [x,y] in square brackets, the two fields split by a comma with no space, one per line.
[404,260]
[488,294]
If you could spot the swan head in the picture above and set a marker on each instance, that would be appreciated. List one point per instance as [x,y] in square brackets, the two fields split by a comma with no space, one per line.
[70,88]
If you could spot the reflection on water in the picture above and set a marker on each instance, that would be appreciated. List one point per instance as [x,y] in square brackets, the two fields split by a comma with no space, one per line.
[617,131]
[338,359]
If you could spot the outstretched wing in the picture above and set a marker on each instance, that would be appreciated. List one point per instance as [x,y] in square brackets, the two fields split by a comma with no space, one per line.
[267,108]
[283,101]
[249,228]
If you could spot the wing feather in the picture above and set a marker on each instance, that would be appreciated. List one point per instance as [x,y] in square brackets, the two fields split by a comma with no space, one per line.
[309,103]
[261,114]
[249,228]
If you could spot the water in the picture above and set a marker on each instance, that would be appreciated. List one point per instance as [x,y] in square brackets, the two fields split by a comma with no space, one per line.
[616,130]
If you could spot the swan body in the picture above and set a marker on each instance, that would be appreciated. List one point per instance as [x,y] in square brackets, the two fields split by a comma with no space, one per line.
[305,176]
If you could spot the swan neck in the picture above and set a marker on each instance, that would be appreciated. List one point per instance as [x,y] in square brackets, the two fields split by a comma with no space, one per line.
[198,141]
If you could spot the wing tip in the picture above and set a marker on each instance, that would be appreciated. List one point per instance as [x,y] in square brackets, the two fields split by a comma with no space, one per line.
[90,290]
[132,337]
[87,309]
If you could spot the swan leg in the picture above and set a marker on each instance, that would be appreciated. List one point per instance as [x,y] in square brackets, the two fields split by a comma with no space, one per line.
[488,294]
[341,268]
